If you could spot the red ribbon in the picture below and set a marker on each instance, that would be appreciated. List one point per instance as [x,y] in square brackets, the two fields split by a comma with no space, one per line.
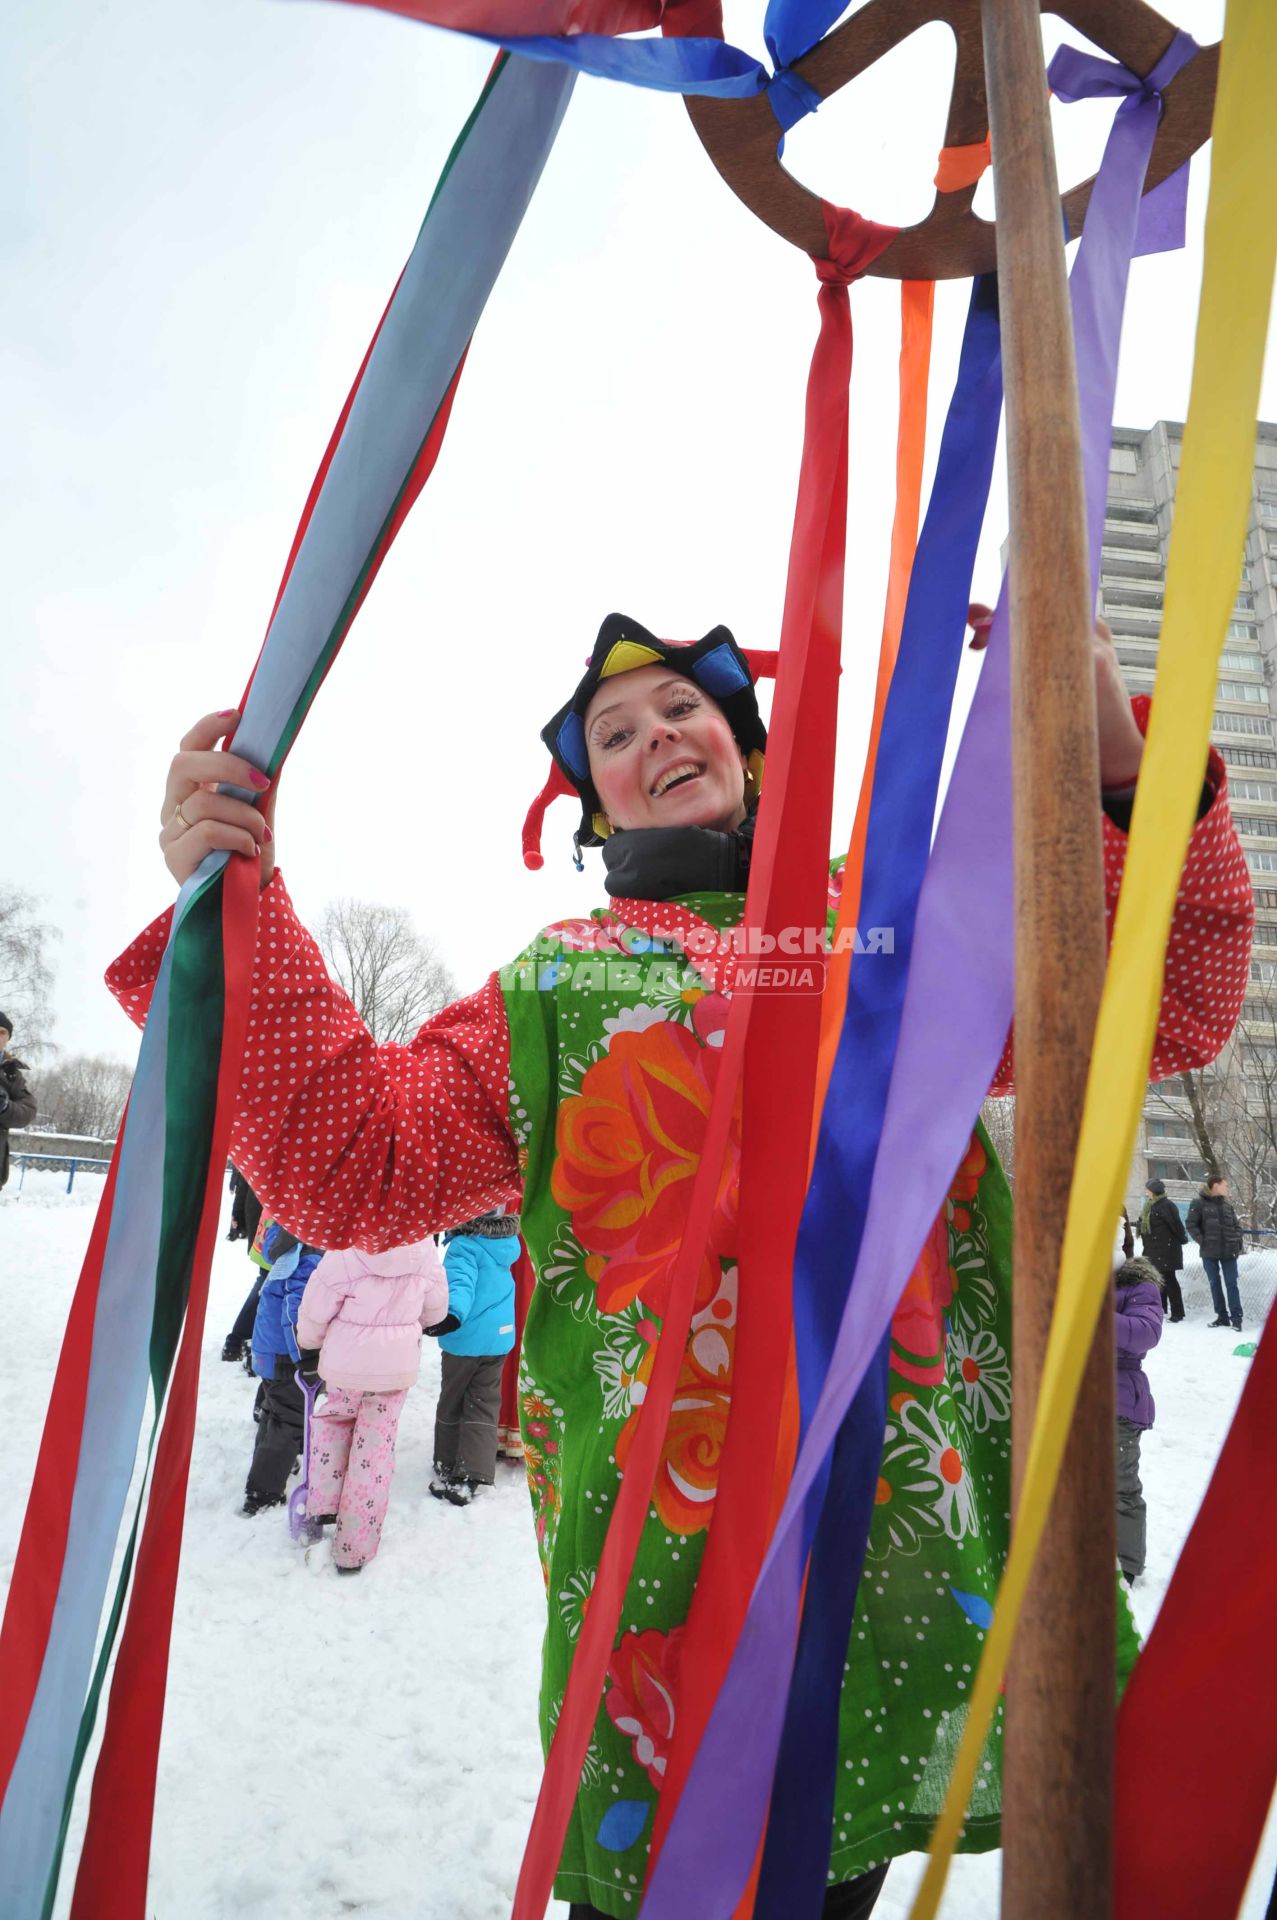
[1202,1702]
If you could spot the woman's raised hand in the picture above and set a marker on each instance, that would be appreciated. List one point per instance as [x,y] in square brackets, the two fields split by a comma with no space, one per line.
[1120,741]
[195,818]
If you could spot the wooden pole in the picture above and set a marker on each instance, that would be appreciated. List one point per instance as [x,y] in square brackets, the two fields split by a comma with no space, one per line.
[1058,1772]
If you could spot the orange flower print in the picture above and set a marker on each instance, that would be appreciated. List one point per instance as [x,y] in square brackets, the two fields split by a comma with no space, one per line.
[643,1672]
[966,1180]
[687,1478]
[918,1322]
[628,1145]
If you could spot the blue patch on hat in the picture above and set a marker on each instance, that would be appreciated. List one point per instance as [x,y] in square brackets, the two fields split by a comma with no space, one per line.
[572,748]
[720,672]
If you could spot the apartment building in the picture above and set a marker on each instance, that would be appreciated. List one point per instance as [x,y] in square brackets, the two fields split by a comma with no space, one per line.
[1143,469]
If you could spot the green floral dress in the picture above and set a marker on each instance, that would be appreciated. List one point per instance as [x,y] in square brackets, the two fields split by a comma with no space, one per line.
[614,1057]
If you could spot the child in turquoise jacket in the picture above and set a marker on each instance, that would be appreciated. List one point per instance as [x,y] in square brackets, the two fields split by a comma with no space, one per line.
[475,1337]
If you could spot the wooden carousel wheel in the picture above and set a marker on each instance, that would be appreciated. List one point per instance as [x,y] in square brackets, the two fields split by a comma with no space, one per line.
[953,242]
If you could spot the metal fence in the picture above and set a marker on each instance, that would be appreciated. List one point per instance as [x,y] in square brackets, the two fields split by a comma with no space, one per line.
[56,1162]
[1256,1281]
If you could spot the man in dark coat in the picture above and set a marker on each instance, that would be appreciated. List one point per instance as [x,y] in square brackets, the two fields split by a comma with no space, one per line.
[17,1102]
[1163,1235]
[1213,1225]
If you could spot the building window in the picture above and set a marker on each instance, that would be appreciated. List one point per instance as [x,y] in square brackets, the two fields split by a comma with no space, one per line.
[1248,757]
[1254,790]
[1265,970]
[1243,723]
[1168,1129]
[1265,936]
[1136,510]
[1264,825]
[1123,460]
[1241,662]
[1242,630]
[1261,862]
[1246,601]
[1266,897]
[1249,690]
[1177,1170]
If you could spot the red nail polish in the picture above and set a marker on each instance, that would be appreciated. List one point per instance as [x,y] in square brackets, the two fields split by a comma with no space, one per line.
[229,713]
[258,780]
[268,836]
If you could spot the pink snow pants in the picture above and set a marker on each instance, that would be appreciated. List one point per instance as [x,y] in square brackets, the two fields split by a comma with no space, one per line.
[352,1462]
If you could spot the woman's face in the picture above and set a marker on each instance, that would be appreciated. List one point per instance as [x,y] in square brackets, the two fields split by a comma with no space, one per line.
[662,753]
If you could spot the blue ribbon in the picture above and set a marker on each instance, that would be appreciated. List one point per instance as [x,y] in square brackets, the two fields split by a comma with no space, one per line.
[790,98]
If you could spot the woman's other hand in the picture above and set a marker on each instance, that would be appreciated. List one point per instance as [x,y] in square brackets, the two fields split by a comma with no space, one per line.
[1121,743]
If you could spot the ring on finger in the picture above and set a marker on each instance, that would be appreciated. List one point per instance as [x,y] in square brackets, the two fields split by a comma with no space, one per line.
[179,815]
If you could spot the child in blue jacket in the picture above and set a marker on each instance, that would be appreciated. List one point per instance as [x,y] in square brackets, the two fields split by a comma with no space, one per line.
[275,1357]
[475,1338]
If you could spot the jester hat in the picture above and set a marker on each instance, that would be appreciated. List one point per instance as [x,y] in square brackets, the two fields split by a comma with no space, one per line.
[715,663]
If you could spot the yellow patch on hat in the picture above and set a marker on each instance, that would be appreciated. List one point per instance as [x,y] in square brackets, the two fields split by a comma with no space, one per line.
[625,656]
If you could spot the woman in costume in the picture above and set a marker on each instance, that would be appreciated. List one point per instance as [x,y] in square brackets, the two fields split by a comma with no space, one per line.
[574,1086]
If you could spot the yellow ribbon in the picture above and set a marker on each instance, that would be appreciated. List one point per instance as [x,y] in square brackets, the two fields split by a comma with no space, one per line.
[1210,526]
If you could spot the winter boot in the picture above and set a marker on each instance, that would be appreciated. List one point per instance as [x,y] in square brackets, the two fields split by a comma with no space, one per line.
[258,1502]
[460,1491]
[232,1350]
[441,1484]
[1221,1320]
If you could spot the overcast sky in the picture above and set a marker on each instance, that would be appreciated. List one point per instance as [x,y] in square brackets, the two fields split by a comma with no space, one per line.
[206,205]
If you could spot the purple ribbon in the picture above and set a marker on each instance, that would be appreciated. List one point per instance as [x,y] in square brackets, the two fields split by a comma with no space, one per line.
[958,1010]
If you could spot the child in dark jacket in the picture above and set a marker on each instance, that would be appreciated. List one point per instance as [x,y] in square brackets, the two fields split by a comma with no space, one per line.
[475,1337]
[275,1355]
[1137,1301]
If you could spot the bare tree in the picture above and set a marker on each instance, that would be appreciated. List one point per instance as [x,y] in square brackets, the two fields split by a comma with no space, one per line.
[1209,1110]
[394,976]
[26,970]
[84,1094]
[999,1123]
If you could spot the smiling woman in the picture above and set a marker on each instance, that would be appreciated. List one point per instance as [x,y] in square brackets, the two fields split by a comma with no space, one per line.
[577,1084]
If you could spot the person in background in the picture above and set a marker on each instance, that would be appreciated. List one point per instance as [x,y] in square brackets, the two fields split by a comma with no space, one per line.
[359,1327]
[276,1352]
[17,1102]
[1162,1238]
[246,1220]
[246,1208]
[475,1338]
[1137,1302]
[1213,1224]
[509,1438]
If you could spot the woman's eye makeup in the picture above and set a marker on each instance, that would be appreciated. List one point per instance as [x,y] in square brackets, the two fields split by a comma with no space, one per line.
[610,737]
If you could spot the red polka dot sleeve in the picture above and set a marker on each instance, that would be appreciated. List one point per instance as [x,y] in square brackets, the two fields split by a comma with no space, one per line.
[1208,954]
[347,1142]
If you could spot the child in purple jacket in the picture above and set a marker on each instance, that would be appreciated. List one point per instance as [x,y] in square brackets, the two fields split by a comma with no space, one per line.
[1137,1301]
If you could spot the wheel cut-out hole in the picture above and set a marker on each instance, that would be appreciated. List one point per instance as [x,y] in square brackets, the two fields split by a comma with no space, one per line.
[1079,130]
[875,143]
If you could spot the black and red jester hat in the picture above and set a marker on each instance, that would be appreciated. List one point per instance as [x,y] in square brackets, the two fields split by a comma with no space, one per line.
[715,663]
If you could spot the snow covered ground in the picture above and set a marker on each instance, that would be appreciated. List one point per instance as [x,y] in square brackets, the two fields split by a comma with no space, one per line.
[369,1746]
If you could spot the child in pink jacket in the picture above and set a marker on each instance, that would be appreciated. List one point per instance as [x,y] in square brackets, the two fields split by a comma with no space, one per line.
[359,1325]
